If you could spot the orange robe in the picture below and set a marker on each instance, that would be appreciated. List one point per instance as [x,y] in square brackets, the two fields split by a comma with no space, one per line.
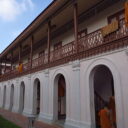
[104,119]
[20,68]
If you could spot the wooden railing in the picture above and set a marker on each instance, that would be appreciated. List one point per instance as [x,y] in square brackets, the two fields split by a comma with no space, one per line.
[67,50]
[96,39]
[42,60]
[26,66]
[89,45]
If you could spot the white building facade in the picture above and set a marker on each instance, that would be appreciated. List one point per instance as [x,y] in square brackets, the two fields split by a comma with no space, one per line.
[63,87]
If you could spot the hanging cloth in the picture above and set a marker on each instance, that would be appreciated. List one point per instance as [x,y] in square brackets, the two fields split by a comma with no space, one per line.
[110,28]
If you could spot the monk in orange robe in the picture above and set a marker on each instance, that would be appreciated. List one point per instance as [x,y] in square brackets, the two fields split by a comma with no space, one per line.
[105,120]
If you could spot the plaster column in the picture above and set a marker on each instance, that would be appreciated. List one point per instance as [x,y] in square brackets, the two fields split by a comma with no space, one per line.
[44,110]
[28,97]
[2,99]
[7,100]
[1,95]
[74,120]
[16,100]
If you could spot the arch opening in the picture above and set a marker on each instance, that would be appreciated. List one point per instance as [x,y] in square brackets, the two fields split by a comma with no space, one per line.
[103,86]
[36,97]
[60,97]
[22,97]
[11,97]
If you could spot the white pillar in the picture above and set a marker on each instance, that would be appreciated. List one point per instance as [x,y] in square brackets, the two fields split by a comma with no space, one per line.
[0,95]
[28,96]
[44,101]
[74,120]
[16,100]
[7,97]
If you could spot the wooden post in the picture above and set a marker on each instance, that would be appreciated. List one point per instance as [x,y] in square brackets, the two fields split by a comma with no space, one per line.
[5,67]
[11,59]
[76,24]
[1,67]
[31,52]
[20,49]
[49,32]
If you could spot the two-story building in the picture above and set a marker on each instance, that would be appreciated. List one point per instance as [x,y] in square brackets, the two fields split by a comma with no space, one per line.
[64,67]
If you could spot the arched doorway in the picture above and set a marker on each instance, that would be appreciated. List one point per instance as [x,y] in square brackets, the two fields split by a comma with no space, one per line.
[36,97]
[4,96]
[22,96]
[60,98]
[11,96]
[103,85]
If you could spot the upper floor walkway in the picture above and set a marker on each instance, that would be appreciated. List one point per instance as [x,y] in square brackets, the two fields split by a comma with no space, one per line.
[89,45]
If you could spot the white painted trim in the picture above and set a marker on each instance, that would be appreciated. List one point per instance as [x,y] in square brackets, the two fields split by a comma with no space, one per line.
[117,88]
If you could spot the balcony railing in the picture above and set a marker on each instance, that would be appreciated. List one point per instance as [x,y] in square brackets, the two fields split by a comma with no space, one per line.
[67,50]
[91,44]
[96,39]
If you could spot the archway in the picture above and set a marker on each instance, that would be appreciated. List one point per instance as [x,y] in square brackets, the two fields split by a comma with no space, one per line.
[103,85]
[36,97]
[60,97]
[22,96]
[4,96]
[11,96]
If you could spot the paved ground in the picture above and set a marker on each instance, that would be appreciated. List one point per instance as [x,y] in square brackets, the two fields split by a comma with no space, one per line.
[22,121]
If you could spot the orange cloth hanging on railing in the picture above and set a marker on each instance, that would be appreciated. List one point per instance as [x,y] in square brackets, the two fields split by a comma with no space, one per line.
[110,28]
[126,13]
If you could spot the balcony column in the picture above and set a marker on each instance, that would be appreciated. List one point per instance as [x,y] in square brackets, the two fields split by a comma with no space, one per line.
[1,67]
[20,49]
[5,67]
[76,23]
[31,52]
[11,60]
[48,43]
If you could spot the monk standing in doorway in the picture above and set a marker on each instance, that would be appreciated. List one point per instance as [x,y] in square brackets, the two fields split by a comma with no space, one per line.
[105,120]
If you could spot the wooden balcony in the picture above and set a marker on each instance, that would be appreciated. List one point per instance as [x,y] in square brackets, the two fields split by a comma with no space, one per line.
[89,45]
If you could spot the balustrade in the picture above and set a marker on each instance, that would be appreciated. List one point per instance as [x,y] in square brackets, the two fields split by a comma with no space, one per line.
[93,42]
[26,66]
[66,50]
[40,61]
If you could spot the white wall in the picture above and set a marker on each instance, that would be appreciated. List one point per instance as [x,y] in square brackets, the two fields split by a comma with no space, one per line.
[78,89]
[80,104]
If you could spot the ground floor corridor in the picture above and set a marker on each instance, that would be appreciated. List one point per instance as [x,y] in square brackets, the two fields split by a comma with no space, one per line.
[72,95]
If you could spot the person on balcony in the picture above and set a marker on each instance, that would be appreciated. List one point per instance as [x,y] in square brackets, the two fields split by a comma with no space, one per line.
[20,67]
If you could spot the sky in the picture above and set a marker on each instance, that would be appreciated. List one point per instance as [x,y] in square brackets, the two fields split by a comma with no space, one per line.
[15,16]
